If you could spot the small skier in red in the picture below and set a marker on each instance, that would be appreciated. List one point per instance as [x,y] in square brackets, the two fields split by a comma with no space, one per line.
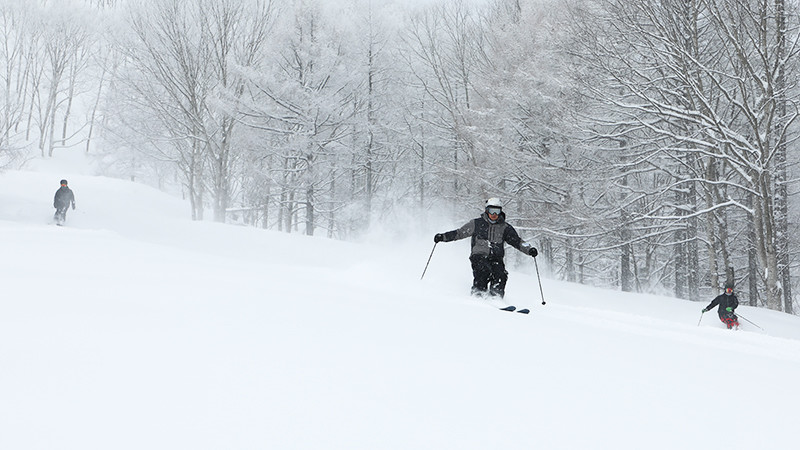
[727,303]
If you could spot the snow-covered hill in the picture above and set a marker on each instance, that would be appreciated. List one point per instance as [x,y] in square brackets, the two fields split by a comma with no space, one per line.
[134,328]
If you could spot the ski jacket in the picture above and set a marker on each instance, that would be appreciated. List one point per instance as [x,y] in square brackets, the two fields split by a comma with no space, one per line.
[488,238]
[724,301]
[63,198]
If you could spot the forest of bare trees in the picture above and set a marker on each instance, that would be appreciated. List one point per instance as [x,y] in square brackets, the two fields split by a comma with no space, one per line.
[641,145]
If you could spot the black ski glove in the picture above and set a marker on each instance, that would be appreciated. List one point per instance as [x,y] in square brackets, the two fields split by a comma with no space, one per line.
[73,206]
[438,237]
[533,252]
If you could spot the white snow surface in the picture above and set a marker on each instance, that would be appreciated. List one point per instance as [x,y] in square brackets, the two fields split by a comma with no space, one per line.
[133,327]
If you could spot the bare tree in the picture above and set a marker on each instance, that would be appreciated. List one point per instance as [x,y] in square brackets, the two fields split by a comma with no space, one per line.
[171,80]
[190,55]
[443,51]
[65,49]
[706,108]
[236,36]
[12,63]
[305,102]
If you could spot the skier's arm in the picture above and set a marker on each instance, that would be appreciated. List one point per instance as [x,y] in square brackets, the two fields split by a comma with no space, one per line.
[512,238]
[713,303]
[465,231]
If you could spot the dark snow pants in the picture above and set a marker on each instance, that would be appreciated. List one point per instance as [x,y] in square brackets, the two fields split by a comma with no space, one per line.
[488,274]
[61,213]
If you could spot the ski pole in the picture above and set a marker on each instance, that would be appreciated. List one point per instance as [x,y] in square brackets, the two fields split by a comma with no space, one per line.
[429,261]
[701,318]
[539,278]
[745,318]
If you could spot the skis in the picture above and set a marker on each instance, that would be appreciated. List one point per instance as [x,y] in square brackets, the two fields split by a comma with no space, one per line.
[511,308]
[496,302]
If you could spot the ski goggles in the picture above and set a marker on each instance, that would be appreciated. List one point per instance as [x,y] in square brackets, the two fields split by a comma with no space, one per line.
[493,211]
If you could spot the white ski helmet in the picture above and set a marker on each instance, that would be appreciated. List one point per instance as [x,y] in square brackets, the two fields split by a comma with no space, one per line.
[494,202]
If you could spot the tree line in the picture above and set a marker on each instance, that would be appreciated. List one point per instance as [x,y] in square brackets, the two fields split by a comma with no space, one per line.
[642,145]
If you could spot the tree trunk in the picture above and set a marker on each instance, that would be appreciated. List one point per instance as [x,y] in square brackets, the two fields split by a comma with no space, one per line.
[94,110]
[781,175]
[752,258]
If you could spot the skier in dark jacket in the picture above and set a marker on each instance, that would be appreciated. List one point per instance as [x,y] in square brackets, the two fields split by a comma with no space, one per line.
[64,197]
[727,303]
[489,234]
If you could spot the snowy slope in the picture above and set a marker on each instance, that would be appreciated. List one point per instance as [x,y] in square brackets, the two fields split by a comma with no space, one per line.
[133,327]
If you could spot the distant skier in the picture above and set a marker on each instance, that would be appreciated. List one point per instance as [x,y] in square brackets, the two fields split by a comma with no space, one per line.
[727,303]
[64,197]
[489,233]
